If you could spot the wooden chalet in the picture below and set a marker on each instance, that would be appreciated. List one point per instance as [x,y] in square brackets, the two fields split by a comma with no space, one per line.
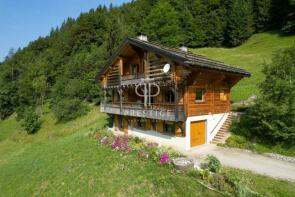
[157,89]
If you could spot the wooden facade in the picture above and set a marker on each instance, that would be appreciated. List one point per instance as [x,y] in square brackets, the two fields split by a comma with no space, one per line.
[184,91]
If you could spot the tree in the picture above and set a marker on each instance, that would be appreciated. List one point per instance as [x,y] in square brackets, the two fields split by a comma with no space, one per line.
[272,118]
[240,22]
[289,23]
[30,121]
[262,13]
[163,25]
[40,86]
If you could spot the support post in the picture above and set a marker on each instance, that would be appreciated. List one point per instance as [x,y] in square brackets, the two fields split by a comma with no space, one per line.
[175,94]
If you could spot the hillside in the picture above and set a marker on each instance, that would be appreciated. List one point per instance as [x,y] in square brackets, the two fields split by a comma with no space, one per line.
[60,68]
[62,160]
[251,55]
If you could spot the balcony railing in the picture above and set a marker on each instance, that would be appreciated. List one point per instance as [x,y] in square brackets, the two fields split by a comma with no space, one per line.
[131,79]
[161,111]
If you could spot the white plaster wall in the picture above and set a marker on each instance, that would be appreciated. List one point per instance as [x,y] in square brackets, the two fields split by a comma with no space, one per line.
[153,136]
[213,123]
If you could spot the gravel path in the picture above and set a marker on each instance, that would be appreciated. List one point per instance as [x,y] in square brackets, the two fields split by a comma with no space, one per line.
[246,160]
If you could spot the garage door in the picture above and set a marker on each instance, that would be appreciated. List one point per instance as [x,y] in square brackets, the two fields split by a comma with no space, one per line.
[198,133]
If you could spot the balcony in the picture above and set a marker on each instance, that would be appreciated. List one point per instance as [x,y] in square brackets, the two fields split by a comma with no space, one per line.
[160,111]
[131,79]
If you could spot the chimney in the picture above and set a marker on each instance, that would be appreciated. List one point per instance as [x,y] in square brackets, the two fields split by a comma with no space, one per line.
[183,48]
[142,36]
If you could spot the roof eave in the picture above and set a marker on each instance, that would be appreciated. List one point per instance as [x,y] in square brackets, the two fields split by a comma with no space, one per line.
[237,71]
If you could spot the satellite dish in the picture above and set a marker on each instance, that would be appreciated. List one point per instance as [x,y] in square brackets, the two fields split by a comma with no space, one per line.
[166,68]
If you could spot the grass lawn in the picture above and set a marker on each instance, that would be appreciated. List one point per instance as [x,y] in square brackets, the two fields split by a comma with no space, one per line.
[238,141]
[264,185]
[62,160]
[251,56]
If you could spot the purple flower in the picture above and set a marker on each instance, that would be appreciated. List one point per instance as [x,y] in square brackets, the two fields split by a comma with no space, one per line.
[164,159]
[116,143]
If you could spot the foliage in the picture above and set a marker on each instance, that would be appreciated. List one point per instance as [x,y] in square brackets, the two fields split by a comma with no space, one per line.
[30,121]
[63,65]
[69,109]
[240,22]
[71,145]
[239,185]
[164,19]
[240,141]
[262,13]
[272,118]
[251,55]
[214,164]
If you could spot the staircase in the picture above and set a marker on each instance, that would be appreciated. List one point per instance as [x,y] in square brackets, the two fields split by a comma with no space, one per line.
[223,132]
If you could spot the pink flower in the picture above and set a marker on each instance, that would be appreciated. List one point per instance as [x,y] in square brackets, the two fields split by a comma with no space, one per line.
[105,140]
[164,159]
[116,143]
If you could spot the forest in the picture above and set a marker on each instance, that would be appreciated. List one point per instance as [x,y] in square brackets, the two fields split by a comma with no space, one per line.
[59,69]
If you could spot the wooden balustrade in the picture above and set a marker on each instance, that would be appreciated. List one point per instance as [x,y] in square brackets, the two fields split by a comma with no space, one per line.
[162,111]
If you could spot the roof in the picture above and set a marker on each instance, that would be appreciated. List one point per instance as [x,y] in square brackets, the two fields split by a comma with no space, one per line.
[185,58]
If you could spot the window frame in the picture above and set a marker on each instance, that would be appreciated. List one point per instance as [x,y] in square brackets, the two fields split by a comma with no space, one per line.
[203,95]
[222,95]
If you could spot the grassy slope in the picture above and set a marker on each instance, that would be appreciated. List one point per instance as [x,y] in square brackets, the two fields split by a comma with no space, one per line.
[264,185]
[61,160]
[250,56]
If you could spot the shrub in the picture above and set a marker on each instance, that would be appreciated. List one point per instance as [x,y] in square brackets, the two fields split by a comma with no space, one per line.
[204,173]
[69,109]
[237,182]
[214,164]
[272,118]
[30,121]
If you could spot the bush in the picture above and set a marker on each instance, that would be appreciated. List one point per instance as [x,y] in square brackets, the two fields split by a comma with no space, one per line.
[69,109]
[238,184]
[272,118]
[214,164]
[30,121]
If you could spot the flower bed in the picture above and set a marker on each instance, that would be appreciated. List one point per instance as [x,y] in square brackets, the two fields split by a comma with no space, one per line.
[144,150]
[209,174]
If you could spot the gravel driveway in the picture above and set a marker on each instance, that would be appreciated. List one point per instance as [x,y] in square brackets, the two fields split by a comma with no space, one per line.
[246,160]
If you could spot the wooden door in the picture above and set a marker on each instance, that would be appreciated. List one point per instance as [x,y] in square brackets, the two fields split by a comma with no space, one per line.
[198,132]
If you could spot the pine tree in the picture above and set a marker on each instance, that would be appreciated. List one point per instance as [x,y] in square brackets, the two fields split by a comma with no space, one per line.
[163,25]
[240,22]
[262,15]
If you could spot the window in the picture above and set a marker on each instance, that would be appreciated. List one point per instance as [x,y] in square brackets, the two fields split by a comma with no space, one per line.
[169,127]
[170,96]
[200,95]
[141,122]
[135,68]
[223,96]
